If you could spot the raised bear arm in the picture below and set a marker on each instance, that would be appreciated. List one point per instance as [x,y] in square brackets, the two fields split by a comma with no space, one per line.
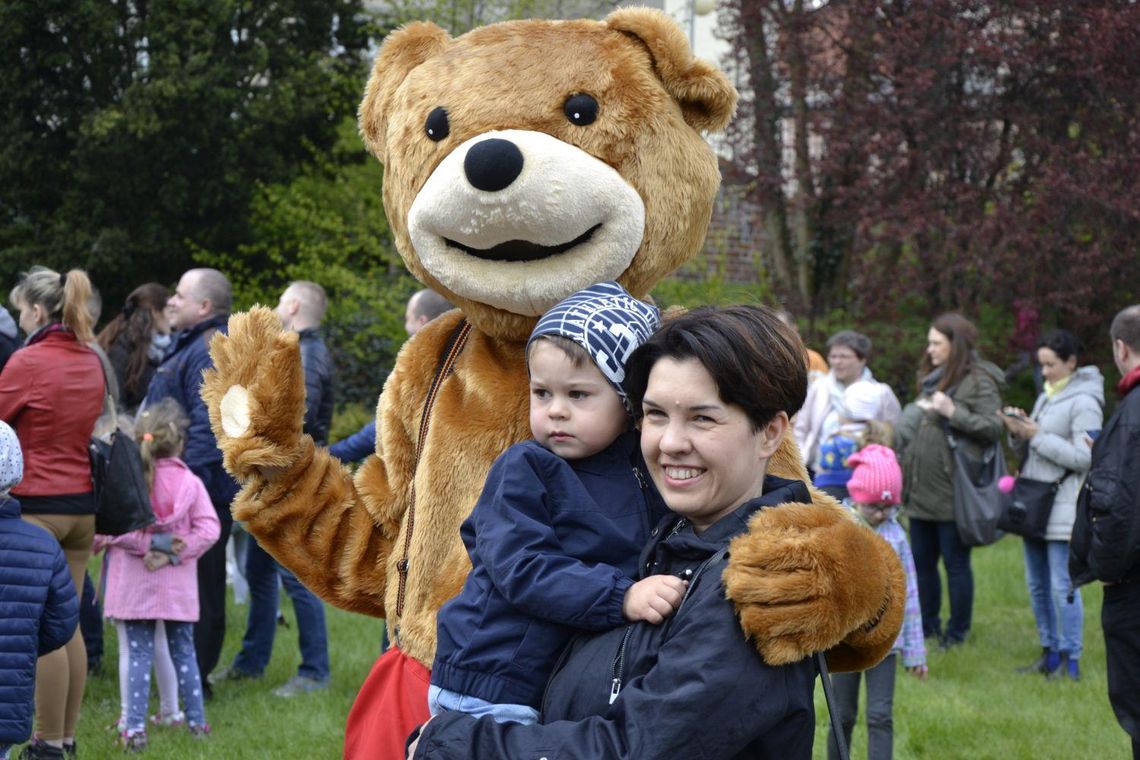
[300,503]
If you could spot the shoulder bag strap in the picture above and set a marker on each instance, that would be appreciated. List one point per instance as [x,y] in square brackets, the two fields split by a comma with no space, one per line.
[451,350]
[832,710]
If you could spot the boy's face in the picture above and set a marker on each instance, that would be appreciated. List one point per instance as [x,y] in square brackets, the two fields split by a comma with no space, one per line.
[574,411]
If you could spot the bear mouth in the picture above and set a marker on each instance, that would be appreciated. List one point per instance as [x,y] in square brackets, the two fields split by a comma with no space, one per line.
[522,250]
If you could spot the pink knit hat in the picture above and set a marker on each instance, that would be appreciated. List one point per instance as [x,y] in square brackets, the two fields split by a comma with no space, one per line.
[876,477]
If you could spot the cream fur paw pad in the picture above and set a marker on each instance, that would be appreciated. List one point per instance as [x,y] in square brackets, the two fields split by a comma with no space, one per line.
[234,410]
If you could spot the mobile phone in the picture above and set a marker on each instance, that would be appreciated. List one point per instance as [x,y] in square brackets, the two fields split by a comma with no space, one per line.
[1014,415]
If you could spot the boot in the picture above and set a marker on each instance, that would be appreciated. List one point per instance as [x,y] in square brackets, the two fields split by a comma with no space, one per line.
[1048,662]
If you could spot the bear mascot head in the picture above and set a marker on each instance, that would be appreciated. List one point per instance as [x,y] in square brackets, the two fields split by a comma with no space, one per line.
[523,161]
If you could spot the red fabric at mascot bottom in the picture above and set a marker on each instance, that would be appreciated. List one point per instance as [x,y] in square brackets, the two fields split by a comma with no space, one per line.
[391,703]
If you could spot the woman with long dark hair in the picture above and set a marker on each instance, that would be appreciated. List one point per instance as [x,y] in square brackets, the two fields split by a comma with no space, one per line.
[51,392]
[958,395]
[136,341]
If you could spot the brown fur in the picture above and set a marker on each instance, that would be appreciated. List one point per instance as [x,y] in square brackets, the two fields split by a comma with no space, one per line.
[344,536]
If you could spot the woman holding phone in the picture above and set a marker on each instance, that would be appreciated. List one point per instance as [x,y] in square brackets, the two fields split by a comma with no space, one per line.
[1051,443]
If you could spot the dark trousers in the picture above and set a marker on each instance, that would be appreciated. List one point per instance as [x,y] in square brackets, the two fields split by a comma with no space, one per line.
[91,622]
[1120,617]
[210,630]
[880,707]
[929,542]
[263,573]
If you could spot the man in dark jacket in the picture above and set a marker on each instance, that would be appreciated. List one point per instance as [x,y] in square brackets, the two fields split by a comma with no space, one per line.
[1106,535]
[199,308]
[38,610]
[301,308]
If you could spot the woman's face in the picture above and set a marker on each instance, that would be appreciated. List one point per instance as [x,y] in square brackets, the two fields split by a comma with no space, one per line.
[160,321]
[845,364]
[937,347]
[703,454]
[32,317]
[1053,368]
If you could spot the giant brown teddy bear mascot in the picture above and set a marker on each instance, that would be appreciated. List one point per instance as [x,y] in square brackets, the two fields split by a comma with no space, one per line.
[523,161]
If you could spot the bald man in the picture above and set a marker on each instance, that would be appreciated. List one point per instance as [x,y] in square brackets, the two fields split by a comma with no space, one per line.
[199,308]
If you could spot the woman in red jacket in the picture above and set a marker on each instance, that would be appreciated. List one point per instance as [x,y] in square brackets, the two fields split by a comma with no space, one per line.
[51,392]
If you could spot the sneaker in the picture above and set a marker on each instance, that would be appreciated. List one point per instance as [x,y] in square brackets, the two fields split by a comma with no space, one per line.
[946,644]
[230,673]
[133,741]
[300,685]
[1066,669]
[71,749]
[199,730]
[37,749]
[166,721]
[1048,662]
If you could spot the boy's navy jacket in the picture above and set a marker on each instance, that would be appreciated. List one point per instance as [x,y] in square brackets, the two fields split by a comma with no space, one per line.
[554,547]
[38,614]
[693,686]
[180,377]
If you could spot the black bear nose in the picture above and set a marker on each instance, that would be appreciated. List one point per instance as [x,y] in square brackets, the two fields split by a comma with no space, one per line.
[493,164]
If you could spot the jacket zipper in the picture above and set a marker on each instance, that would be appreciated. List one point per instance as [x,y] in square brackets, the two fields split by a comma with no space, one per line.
[619,663]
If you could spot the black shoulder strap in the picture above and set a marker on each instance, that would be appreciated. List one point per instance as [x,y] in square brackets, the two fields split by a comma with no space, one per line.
[832,709]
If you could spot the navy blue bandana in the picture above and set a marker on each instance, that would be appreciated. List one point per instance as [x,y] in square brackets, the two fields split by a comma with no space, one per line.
[606,321]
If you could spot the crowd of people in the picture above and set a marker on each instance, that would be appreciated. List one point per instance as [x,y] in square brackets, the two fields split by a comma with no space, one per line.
[668,449]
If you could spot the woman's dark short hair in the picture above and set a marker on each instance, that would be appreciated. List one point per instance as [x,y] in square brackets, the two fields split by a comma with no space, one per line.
[857,342]
[1063,343]
[755,359]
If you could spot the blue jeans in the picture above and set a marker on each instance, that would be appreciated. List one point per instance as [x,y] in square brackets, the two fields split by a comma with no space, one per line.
[262,572]
[442,700]
[1047,576]
[140,642]
[930,541]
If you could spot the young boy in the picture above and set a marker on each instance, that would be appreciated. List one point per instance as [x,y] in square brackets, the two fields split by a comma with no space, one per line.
[39,610]
[555,536]
[876,490]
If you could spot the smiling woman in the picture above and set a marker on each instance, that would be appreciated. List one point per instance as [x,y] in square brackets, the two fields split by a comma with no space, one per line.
[715,388]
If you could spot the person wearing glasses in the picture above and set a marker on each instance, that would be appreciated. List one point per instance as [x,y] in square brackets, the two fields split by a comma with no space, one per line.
[875,490]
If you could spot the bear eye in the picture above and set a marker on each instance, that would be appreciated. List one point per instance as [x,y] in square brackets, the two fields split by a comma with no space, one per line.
[436,125]
[581,109]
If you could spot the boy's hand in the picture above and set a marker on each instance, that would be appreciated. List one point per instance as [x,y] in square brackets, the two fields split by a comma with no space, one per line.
[918,671]
[653,599]
[154,560]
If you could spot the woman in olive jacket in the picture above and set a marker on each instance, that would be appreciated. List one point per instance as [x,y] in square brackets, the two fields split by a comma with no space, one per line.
[958,393]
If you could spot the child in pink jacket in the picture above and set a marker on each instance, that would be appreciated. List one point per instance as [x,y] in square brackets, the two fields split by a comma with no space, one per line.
[152,574]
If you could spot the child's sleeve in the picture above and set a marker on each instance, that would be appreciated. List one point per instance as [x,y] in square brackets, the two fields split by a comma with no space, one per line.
[913,642]
[60,616]
[137,542]
[204,526]
[517,544]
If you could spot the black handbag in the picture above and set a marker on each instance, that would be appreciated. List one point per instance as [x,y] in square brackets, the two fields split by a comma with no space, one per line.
[977,499]
[1027,508]
[122,498]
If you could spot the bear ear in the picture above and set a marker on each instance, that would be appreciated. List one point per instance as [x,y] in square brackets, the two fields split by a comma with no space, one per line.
[706,97]
[403,50]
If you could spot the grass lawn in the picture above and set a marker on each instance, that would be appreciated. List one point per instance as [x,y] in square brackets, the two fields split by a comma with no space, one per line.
[972,706]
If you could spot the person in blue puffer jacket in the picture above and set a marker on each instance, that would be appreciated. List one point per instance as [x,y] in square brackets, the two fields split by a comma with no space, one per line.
[39,610]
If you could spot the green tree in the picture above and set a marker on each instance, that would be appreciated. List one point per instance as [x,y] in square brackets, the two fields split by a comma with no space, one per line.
[132,131]
[327,225]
